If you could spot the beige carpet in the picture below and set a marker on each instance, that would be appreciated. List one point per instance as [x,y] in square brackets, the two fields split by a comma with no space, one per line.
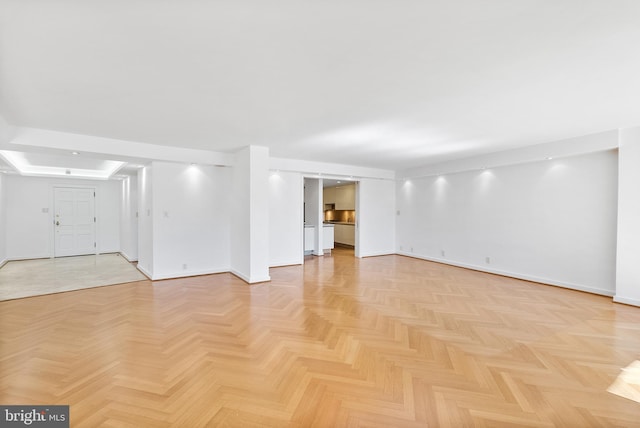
[28,278]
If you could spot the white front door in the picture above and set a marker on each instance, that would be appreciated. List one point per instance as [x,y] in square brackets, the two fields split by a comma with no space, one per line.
[74,221]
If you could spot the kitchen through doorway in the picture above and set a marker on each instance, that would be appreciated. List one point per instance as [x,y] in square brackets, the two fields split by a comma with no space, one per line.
[330,216]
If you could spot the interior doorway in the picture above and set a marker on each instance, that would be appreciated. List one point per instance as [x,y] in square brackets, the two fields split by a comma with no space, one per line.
[330,216]
[339,210]
[74,221]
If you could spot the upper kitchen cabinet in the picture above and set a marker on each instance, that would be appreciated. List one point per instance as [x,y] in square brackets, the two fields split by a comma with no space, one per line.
[329,195]
[345,197]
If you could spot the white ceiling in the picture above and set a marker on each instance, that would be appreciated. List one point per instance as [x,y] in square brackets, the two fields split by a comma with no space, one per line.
[379,83]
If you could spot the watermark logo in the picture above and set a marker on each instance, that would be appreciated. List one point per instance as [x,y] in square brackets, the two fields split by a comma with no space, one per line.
[34,416]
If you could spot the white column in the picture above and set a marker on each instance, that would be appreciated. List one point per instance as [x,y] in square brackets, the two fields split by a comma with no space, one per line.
[250,215]
[628,247]
[318,249]
[313,211]
[128,219]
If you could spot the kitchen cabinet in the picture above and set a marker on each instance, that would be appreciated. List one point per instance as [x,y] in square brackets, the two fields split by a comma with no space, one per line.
[329,195]
[345,197]
[309,238]
[345,234]
[328,236]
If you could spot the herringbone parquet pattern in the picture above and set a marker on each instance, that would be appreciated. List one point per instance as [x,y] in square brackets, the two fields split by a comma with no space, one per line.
[378,342]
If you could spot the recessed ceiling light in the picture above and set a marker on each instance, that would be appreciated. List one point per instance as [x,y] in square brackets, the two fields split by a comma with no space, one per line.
[75,153]
[548,158]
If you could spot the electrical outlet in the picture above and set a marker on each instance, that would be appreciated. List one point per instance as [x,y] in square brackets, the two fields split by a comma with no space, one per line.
[400,247]
[488,260]
[442,253]
[184,266]
[412,249]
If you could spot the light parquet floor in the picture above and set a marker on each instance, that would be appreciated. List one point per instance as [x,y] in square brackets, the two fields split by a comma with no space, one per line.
[379,342]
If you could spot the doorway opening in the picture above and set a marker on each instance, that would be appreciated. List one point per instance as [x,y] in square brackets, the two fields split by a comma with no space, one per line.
[330,216]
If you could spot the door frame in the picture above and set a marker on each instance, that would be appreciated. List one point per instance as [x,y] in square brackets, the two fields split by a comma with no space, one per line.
[52,216]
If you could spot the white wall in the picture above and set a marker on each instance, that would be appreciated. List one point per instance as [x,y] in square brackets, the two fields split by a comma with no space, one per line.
[376,213]
[549,221]
[29,229]
[628,262]
[3,220]
[191,232]
[591,143]
[29,218]
[129,219]
[6,132]
[108,216]
[145,220]
[285,218]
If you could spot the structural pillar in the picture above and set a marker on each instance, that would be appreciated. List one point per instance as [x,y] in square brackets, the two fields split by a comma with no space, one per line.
[628,247]
[250,215]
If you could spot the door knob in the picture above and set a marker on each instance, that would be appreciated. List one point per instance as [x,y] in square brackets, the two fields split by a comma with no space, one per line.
[57,223]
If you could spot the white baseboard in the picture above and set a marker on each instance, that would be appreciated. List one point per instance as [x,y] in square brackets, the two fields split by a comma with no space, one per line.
[4,262]
[128,258]
[546,281]
[386,253]
[249,280]
[626,301]
[22,258]
[286,263]
[107,251]
[144,271]
[185,274]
